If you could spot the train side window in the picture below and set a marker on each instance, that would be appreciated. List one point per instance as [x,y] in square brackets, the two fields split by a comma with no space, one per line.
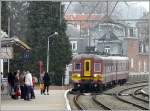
[108,68]
[97,67]
[124,66]
[118,66]
[77,66]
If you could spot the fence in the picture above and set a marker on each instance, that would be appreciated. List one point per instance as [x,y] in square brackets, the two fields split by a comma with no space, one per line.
[5,89]
[138,77]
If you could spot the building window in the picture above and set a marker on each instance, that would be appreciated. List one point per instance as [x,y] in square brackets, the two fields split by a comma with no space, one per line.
[139,66]
[74,45]
[132,62]
[140,47]
[131,32]
[145,67]
[100,28]
[107,49]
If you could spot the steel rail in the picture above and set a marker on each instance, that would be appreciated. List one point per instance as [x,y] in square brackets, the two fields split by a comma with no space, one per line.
[144,94]
[121,99]
[136,82]
[100,103]
[138,98]
[77,103]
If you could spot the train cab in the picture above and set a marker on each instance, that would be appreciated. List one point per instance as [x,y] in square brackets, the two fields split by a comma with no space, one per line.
[86,71]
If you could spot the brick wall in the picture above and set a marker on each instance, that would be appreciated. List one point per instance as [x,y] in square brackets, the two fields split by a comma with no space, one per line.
[137,62]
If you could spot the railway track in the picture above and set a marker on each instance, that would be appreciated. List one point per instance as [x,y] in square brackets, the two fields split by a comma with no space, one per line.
[77,103]
[120,93]
[136,82]
[100,103]
[81,102]
[137,92]
[80,106]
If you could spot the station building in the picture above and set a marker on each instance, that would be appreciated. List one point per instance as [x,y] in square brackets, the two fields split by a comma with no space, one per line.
[7,49]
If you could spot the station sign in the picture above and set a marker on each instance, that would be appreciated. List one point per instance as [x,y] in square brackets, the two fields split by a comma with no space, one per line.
[27,55]
[6,53]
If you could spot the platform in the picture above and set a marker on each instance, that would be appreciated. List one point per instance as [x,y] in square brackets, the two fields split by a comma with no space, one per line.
[54,101]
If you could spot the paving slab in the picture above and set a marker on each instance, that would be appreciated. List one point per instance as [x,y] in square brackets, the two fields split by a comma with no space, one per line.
[54,101]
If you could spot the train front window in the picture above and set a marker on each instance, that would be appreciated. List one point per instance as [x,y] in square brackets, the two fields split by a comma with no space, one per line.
[97,67]
[87,66]
[77,66]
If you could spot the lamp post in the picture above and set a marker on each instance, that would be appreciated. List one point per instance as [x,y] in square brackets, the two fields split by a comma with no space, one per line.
[55,33]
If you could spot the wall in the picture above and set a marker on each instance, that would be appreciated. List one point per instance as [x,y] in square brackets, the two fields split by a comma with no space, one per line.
[1,65]
[137,62]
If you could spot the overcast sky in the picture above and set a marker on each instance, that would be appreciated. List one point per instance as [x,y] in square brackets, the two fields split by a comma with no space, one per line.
[144,4]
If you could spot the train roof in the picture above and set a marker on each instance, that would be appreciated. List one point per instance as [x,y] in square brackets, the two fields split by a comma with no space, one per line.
[80,56]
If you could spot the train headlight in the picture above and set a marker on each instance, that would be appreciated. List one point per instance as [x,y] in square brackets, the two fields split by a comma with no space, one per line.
[95,75]
[78,75]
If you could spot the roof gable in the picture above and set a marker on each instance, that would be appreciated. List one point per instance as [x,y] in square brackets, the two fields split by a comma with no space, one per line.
[109,36]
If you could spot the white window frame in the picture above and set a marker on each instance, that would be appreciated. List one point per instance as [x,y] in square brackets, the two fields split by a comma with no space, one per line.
[72,44]
[99,67]
[75,67]
[107,49]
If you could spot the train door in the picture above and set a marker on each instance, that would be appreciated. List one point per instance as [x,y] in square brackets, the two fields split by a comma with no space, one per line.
[87,67]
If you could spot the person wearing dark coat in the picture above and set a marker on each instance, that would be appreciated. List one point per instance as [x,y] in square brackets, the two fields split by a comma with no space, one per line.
[11,81]
[22,84]
[46,80]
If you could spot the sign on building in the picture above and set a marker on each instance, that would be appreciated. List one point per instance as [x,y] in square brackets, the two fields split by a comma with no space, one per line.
[6,53]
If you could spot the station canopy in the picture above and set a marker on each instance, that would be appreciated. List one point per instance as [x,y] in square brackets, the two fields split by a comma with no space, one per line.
[9,42]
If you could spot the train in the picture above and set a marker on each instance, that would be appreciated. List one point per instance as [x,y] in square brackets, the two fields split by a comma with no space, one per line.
[90,71]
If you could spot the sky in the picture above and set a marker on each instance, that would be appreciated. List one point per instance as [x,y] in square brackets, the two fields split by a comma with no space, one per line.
[144,4]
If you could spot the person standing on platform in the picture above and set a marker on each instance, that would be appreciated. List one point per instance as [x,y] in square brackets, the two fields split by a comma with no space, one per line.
[46,80]
[28,84]
[42,83]
[11,82]
[16,88]
[22,83]
[32,88]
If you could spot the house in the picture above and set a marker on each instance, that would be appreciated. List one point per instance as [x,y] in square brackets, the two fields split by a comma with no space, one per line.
[109,44]
[78,44]
[92,28]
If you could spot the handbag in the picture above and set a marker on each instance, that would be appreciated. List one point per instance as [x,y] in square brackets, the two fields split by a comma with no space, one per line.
[41,86]
[18,93]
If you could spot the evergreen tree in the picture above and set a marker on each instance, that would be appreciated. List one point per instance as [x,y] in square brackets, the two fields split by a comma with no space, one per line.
[4,16]
[15,11]
[45,18]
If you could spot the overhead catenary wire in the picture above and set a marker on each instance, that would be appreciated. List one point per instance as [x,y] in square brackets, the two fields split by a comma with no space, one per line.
[68,7]
[93,10]
[113,8]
